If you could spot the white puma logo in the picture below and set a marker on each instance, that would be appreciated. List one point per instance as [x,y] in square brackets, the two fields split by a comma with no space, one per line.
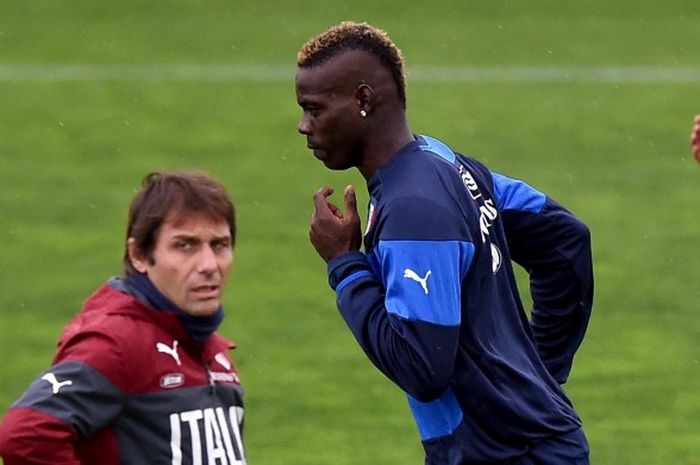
[55,385]
[223,361]
[410,274]
[170,351]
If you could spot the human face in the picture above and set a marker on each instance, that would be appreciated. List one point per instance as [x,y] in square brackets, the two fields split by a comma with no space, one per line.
[190,263]
[330,117]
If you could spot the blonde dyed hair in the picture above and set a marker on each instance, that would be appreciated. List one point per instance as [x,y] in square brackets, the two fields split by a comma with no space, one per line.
[350,35]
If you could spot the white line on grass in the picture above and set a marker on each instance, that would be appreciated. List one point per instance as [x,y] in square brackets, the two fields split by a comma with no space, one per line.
[613,74]
[279,73]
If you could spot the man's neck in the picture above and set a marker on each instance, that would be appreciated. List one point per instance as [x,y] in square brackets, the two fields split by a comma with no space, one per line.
[383,146]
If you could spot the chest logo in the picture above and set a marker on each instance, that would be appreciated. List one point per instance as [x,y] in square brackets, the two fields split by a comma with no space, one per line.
[55,384]
[172,380]
[423,281]
[172,351]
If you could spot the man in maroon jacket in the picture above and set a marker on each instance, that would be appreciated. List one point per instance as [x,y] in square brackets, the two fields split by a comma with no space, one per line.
[140,375]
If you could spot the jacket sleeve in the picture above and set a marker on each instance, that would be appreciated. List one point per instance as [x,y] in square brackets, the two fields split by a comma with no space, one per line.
[29,436]
[554,247]
[405,310]
[66,403]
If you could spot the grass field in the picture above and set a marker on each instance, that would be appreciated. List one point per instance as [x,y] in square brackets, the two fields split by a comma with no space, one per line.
[588,101]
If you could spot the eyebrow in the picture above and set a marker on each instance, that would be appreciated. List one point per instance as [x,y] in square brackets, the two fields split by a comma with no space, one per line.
[196,238]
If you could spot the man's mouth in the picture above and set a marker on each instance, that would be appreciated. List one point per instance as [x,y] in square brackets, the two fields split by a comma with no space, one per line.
[208,291]
[318,152]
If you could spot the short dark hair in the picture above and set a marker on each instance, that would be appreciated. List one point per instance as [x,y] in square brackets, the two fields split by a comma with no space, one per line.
[173,192]
[350,35]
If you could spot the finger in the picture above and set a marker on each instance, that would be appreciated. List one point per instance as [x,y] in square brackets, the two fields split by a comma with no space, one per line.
[321,196]
[322,207]
[335,210]
[322,193]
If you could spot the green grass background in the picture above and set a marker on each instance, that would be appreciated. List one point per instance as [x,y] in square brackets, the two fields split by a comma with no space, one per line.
[616,153]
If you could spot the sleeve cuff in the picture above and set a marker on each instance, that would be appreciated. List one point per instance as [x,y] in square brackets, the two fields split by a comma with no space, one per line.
[346,268]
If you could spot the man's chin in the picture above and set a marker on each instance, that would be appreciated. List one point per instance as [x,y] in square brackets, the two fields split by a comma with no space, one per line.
[203,309]
[335,165]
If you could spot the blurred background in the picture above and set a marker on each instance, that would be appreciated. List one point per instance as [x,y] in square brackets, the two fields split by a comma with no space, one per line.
[590,101]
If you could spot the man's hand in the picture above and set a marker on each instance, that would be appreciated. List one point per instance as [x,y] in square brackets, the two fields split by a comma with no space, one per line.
[695,138]
[331,232]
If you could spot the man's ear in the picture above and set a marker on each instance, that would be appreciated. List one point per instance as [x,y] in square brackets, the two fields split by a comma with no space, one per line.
[137,261]
[364,97]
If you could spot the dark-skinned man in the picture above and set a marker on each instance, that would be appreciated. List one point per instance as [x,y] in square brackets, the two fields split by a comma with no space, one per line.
[433,301]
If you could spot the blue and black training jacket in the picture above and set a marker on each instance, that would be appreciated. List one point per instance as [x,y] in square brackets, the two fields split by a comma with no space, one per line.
[433,302]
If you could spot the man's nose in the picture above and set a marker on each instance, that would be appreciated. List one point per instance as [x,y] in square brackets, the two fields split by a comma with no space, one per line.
[304,127]
[207,260]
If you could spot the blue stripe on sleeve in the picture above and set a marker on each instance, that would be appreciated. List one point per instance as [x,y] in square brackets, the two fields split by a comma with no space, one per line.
[353,277]
[439,417]
[513,194]
[433,145]
[423,279]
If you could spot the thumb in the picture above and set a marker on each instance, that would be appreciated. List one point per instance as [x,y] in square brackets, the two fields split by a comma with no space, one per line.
[350,200]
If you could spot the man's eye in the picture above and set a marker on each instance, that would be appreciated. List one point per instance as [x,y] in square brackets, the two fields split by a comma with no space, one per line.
[183,245]
[221,245]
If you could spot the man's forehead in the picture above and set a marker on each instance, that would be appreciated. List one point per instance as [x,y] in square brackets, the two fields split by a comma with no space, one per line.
[187,223]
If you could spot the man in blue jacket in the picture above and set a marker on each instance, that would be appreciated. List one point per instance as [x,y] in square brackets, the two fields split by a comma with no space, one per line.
[433,300]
